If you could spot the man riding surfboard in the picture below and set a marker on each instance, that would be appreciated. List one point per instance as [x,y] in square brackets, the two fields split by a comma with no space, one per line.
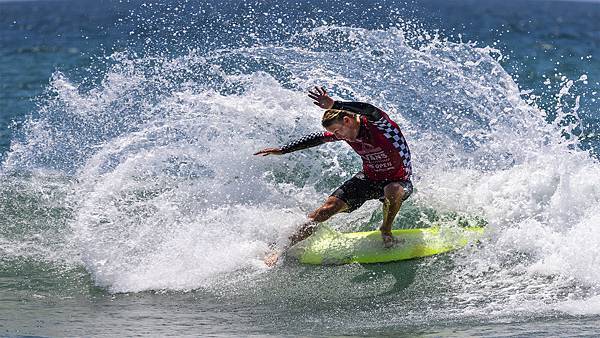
[384,152]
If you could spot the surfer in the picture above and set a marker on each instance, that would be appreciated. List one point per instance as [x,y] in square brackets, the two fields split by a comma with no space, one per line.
[384,152]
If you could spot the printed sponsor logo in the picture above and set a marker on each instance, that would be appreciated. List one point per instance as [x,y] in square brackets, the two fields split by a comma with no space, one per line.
[378,161]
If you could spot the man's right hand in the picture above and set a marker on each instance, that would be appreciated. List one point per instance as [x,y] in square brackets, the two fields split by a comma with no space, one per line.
[269,151]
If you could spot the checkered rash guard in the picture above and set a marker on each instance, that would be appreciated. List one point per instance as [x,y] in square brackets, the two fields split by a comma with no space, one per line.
[380,143]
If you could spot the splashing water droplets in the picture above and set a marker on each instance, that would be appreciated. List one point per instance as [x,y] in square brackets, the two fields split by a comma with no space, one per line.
[169,196]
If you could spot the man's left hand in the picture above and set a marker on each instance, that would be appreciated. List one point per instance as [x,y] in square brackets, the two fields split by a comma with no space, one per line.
[321,98]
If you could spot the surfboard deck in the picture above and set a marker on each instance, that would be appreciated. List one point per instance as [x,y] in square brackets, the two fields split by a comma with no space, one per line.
[327,246]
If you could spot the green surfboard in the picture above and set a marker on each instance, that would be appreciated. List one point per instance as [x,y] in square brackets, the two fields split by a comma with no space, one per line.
[327,246]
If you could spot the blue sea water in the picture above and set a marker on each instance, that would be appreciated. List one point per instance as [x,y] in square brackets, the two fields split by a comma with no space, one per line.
[131,204]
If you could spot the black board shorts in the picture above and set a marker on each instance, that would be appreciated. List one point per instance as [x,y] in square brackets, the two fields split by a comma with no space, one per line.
[359,189]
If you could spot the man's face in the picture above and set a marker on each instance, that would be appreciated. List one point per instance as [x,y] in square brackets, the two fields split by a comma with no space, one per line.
[346,129]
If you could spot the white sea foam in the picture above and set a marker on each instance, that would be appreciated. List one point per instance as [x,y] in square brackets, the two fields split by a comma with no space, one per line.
[169,195]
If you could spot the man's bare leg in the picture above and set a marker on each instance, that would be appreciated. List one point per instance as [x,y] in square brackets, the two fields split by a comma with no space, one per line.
[394,195]
[332,206]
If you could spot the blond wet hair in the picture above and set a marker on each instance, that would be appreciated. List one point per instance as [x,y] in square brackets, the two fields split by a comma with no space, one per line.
[332,116]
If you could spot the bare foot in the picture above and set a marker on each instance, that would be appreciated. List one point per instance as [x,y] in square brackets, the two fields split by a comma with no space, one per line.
[388,240]
[271,258]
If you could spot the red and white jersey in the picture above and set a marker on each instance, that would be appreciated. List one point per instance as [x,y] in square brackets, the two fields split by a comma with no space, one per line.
[380,143]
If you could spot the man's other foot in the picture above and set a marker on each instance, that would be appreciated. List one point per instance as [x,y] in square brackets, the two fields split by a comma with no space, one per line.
[271,258]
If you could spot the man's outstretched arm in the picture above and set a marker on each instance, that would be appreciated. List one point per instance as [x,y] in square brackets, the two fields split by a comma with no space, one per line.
[323,100]
[307,141]
[361,108]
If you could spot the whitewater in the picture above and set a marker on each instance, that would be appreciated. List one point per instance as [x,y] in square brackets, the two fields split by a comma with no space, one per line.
[137,183]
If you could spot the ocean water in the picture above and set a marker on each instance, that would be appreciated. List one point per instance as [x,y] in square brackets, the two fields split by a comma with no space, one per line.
[131,204]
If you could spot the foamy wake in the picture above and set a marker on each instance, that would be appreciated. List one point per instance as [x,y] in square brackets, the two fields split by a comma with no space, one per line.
[169,195]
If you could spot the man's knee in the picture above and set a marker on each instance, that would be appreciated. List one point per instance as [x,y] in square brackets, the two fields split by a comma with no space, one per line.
[332,206]
[394,192]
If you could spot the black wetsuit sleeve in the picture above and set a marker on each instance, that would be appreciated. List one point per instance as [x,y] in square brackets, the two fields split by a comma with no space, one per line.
[370,111]
[308,141]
